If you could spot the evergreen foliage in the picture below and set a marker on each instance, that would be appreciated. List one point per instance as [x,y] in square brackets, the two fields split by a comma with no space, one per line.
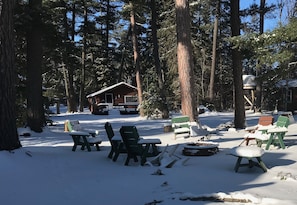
[109,51]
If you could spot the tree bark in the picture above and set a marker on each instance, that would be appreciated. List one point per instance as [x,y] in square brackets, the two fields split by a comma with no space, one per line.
[67,69]
[185,60]
[107,32]
[239,115]
[83,59]
[35,110]
[9,139]
[259,70]
[136,57]
[214,53]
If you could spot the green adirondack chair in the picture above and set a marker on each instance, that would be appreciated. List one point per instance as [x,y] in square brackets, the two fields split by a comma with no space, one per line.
[181,126]
[130,138]
[117,145]
[276,135]
[138,147]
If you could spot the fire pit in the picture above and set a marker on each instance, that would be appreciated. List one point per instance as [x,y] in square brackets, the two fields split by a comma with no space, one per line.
[206,148]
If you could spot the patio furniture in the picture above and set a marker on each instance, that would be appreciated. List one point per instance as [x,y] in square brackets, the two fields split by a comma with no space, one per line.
[85,140]
[129,109]
[136,146]
[117,145]
[81,137]
[181,126]
[274,135]
[248,152]
[263,121]
[71,125]
[100,109]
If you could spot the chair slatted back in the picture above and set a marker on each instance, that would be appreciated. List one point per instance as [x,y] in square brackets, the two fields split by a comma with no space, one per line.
[130,138]
[110,134]
[109,130]
[266,120]
[180,121]
[117,146]
[282,121]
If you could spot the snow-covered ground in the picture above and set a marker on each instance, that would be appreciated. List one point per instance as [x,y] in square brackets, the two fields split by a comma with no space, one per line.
[46,172]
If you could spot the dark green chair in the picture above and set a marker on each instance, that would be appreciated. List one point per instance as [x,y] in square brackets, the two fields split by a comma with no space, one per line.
[138,147]
[117,145]
[130,138]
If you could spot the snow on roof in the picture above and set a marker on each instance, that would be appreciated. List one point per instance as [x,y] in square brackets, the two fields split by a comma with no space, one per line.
[109,88]
[248,81]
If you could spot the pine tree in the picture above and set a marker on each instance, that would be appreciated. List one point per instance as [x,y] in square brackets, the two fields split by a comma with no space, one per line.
[239,115]
[35,110]
[184,59]
[8,132]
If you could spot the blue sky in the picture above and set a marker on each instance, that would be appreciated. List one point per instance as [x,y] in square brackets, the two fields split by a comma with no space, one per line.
[270,23]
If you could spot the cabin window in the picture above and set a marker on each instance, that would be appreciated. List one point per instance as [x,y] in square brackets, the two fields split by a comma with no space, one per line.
[131,99]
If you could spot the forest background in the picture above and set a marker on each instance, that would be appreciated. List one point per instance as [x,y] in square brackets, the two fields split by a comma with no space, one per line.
[66,49]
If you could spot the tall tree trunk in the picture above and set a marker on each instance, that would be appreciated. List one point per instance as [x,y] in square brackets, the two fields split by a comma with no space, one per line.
[35,111]
[259,70]
[9,139]
[67,69]
[164,107]
[83,67]
[107,32]
[136,57]
[214,53]
[239,115]
[184,59]
[203,71]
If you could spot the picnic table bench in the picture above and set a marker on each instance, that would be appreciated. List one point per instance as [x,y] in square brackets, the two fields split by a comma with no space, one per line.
[129,109]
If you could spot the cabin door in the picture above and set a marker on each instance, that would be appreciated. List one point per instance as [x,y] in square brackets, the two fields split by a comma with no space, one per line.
[109,99]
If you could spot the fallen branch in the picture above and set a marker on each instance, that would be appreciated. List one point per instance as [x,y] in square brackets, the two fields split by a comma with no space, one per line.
[215,199]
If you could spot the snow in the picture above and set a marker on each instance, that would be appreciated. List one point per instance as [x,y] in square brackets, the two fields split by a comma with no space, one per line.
[247,151]
[45,170]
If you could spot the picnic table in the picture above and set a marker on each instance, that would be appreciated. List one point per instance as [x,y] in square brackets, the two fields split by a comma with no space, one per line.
[150,144]
[84,139]
[248,153]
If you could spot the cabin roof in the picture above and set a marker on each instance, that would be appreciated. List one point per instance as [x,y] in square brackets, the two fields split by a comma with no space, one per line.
[110,88]
[290,83]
